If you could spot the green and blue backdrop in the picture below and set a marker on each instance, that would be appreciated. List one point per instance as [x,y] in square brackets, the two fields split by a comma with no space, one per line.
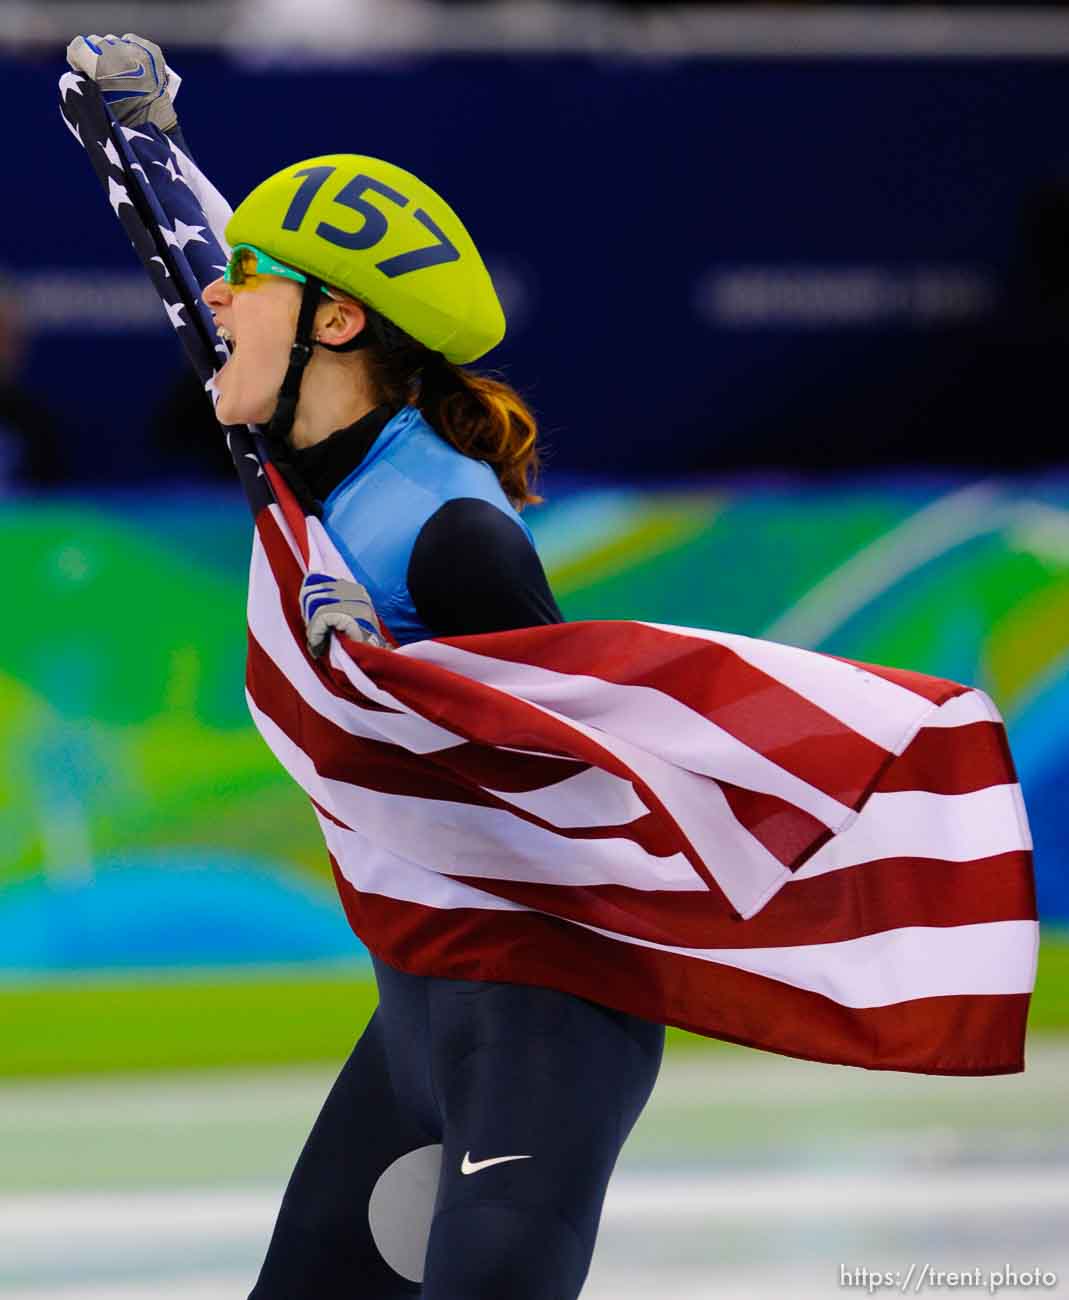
[155,854]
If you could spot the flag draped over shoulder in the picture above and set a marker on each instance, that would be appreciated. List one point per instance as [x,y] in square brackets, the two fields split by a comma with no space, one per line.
[756,842]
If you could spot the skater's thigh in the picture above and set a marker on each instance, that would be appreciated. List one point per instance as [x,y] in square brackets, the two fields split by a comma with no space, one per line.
[535,1117]
[356,1213]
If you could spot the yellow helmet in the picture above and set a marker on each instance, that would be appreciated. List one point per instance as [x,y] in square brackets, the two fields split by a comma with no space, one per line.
[382,235]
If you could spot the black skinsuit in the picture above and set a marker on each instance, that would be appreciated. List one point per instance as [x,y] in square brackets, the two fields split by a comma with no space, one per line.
[454,1079]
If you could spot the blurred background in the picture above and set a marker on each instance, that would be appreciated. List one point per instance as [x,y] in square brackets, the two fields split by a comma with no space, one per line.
[789,289]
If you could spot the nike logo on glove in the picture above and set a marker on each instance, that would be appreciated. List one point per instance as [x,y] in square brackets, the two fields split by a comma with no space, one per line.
[469,1166]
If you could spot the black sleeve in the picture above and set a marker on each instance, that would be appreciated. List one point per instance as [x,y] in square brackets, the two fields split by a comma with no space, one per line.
[473,570]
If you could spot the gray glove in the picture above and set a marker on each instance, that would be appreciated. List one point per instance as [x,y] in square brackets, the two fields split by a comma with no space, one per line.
[133,77]
[334,604]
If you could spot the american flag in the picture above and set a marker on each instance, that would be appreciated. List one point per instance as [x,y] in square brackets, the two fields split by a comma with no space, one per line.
[759,843]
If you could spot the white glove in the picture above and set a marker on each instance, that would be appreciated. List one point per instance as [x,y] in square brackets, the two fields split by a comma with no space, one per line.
[133,77]
[334,604]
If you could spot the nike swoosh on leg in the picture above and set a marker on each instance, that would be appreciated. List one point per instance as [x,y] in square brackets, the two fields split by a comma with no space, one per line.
[469,1166]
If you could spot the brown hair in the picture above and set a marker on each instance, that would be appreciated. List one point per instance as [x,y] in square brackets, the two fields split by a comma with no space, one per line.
[483,417]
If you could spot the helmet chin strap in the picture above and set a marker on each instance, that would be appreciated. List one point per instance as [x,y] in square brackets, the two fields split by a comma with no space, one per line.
[278,429]
[281,425]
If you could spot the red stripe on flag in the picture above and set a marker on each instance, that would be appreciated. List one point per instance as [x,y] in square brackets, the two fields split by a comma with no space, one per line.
[790,834]
[964,1034]
[829,908]
[325,812]
[713,681]
[292,512]
[936,689]
[515,773]
[952,760]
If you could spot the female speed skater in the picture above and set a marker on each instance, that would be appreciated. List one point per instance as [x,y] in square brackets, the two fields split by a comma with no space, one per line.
[517,1098]
[465,1150]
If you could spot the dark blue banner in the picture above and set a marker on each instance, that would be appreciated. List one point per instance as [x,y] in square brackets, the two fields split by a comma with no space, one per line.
[703,261]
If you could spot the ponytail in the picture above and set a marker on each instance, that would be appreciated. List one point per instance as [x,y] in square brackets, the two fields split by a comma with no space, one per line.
[485,419]
[482,417]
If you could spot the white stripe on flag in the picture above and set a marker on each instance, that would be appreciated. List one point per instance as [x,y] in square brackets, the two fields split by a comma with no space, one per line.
[919,824]
[589,798]
[880,710]
[879,970]
[975,706]
[216,209]
[372,869]
[323,555]
[740,864]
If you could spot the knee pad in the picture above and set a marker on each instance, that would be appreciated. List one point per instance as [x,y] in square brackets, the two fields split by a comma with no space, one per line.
[401,1210]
